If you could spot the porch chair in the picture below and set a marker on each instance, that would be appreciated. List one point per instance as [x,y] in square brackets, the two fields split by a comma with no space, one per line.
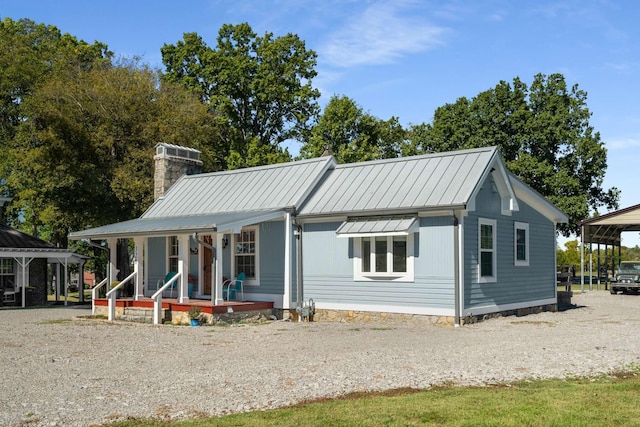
[168,277]
[231,288]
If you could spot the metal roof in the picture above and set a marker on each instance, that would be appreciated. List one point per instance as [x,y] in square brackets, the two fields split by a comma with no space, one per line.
[15,243]
[252,189]
[432,181]
[186,224]
[380,226]
[607,228]
[16,239]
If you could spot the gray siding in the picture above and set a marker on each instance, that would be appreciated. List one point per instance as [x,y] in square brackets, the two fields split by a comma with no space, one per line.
[271,253]
[515,284]
[328,269]
[157,256]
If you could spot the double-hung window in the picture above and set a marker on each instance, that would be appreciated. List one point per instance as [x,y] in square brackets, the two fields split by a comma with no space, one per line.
[173,253]
[487,250]
[245,254]
[521,244]
[7,274]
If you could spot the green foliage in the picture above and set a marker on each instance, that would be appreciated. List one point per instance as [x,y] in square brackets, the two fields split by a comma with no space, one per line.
[352,135]
[544,136]
[30,54]
[258,87]
[82,155]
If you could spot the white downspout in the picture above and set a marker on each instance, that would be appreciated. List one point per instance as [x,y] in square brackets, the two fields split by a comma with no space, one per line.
[456,267]
[582,259]
[286,302]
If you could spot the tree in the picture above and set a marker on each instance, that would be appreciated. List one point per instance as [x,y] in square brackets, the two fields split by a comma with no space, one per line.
[83,155]
[544,136]
[259,87]
[29,54]
[352,135]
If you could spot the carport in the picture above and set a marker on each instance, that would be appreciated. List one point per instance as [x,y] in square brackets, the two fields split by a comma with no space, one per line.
[607,230]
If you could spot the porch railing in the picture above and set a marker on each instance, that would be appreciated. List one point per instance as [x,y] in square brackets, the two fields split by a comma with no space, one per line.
[111,295]
[157,298]
[94,294]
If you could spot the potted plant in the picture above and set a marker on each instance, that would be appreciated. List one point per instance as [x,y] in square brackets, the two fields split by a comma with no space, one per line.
[194,315]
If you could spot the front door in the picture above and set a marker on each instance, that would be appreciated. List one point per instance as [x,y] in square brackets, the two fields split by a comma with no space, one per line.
[207,260]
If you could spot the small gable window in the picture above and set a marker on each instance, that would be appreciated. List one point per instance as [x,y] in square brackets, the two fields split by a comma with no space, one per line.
[521,243]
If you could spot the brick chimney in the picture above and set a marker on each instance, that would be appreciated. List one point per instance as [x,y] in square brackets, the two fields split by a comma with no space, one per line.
[171,162]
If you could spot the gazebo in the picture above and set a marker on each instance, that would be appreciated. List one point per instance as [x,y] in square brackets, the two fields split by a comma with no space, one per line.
[23,268]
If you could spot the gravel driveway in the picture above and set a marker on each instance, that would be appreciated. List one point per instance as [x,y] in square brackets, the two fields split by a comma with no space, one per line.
[81,372]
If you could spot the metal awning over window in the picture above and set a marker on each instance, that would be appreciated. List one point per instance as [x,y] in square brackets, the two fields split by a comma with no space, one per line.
[378,226]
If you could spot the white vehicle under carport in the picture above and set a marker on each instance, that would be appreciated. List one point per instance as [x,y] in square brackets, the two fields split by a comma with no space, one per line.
[627,279]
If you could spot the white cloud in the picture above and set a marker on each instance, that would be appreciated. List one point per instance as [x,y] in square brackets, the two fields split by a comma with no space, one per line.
[623,143]
[381,34]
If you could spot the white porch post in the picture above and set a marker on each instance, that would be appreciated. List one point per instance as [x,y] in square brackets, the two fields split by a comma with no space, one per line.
[112,243]
[183,268]
[138,292]
[286,302]
[66,279]
[218,269]
[81,281]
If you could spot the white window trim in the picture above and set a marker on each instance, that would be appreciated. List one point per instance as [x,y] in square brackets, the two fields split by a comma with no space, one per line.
[169,256]
[494,250]
[256,280]
[520,226]
[360,276]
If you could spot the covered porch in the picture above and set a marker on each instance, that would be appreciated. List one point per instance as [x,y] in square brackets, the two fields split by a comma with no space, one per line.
[186,261]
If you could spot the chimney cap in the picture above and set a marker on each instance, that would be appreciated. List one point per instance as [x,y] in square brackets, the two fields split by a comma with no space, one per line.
[170,150]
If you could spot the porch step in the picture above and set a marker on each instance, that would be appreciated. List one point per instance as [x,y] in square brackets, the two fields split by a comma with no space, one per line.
[140,315]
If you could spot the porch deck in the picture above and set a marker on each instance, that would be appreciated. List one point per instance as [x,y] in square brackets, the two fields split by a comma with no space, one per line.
[206,306]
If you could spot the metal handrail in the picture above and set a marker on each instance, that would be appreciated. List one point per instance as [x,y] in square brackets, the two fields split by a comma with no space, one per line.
[157,298]
[111,295]
[94,294]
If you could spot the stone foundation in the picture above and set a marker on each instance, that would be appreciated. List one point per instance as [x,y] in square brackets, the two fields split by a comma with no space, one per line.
[517,312]
[349,316]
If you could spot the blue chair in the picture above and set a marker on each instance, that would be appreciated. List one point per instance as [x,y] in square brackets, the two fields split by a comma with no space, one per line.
[168,277]
[232,287]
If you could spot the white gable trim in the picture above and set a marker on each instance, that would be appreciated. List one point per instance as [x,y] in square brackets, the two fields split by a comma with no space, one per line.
[497,170]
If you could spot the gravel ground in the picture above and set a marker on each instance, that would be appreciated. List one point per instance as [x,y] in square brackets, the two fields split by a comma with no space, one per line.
[82,372]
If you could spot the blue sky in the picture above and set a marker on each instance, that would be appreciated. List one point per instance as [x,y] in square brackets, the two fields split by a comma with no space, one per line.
[405,58]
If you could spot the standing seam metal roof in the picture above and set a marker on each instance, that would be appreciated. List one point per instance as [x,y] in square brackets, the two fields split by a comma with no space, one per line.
[431,181]
[253,189]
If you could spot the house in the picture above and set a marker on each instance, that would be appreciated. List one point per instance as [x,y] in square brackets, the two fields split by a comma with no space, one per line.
[24,260]
[449,236]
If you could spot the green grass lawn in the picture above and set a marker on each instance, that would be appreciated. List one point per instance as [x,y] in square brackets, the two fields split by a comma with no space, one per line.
[603,401]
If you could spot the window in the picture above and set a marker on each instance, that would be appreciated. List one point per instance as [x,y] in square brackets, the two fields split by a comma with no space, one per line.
[245,251]
[388,257]
[7,274]
[173,253]
[521,244]
[487,250]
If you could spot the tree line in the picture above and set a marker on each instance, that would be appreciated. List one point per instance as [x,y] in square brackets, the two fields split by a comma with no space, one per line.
[78,124]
